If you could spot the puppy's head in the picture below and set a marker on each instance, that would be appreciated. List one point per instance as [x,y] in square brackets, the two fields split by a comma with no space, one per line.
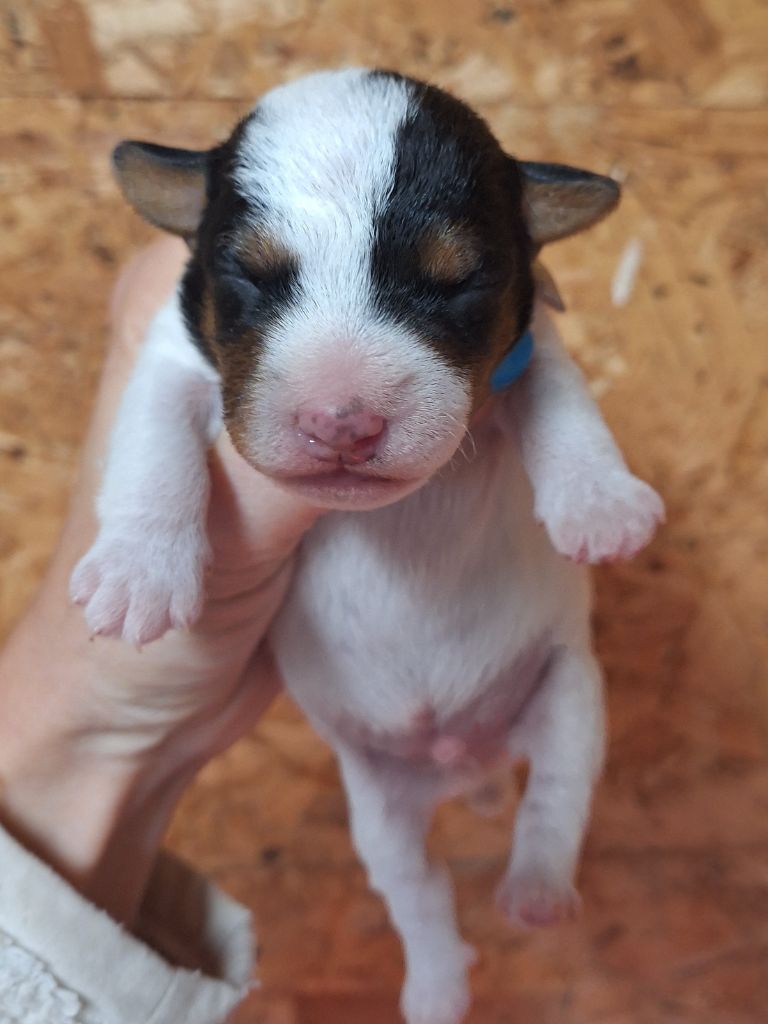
[361,253]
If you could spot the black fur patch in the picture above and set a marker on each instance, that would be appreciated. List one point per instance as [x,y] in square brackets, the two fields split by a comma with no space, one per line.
[450,170]
[244,306]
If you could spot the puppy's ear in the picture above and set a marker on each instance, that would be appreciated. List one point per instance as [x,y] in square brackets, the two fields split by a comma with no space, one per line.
[166,186]
[559,201]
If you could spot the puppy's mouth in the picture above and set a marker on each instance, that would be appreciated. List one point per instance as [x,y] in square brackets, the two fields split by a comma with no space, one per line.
[346,487]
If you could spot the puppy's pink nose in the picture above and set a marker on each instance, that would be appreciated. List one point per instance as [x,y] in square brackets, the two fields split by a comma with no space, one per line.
[351,431]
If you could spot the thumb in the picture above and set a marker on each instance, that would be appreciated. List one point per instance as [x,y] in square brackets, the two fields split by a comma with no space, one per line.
[252,521]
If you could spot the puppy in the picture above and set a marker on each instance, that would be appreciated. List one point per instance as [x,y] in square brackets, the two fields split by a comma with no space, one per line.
[362,261]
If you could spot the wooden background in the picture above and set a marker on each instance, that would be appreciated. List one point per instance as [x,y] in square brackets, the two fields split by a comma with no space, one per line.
[669,95]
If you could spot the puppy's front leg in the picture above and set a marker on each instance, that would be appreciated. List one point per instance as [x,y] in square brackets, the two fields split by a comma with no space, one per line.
[592,506]
[144,573]
[561,732]
[390,810]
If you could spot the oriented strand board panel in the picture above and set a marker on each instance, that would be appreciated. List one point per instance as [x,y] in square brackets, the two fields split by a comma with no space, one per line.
[534,52]
[669,96]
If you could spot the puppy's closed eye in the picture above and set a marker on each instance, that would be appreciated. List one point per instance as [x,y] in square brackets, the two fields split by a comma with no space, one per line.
[261,258]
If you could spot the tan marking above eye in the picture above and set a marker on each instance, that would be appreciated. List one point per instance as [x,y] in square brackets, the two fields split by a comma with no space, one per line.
[448,254]
[208,317]
[262,253]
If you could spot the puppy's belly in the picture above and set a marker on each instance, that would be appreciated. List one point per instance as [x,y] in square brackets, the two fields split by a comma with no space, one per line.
[469,738]
[419,630]
[430,674]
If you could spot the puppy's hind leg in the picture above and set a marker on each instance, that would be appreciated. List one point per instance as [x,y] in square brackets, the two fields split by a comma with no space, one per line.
[561,731]
[390,809]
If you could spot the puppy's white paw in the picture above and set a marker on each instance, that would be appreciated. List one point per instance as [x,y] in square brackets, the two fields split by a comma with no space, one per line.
[533,899]
[137,584]
[435,997]
[593,518]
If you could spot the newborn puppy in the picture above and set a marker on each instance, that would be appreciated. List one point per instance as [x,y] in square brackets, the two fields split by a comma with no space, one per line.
[362,259]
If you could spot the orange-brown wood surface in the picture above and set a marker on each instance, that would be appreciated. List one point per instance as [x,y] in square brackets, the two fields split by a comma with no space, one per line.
[669,95]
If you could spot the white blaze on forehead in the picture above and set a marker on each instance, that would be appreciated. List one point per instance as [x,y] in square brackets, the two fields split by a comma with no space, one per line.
[318,159]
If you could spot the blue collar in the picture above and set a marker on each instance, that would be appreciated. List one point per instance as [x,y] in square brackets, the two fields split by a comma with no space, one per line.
[514,363]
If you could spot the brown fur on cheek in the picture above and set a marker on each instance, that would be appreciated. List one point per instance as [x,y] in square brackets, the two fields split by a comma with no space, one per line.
[504,331]
[208,321]
[237,362]
[239,369]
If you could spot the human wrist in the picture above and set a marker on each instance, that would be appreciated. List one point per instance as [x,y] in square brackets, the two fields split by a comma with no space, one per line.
[95,815]
[96,822]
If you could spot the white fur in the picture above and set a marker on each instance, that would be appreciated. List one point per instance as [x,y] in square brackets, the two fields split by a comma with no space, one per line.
[320,155]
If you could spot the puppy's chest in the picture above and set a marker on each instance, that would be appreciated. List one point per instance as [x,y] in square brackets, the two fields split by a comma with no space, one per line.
[424,622]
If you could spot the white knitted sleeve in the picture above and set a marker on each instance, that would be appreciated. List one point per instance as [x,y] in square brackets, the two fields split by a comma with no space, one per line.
[30,993]
[63,961]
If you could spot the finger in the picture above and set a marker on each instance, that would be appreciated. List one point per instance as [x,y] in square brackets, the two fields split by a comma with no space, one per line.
[142,287]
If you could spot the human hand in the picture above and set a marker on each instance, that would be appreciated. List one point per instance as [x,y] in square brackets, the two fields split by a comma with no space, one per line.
[99,740]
